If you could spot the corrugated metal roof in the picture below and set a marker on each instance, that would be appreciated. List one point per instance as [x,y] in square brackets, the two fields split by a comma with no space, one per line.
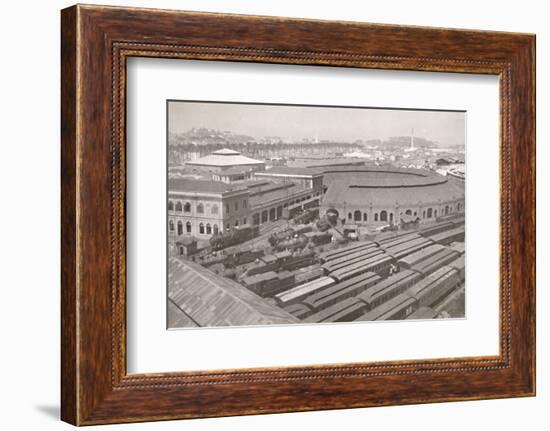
[211,300]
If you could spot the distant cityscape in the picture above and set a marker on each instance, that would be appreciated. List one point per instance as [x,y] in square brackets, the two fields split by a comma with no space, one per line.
[275,230]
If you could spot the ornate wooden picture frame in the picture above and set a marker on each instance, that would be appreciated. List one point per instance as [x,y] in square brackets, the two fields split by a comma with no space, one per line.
[96,42]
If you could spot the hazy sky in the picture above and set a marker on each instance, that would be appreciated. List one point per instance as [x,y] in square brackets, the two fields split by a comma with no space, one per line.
[297,122]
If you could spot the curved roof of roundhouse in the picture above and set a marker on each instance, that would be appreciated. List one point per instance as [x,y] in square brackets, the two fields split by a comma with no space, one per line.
[378,186]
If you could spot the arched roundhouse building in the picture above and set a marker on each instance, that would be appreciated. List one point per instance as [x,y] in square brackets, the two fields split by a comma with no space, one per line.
[381,196]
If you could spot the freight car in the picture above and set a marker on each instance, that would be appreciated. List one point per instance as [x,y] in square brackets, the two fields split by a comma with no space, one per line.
[434,287]
[298,293]
[447,237]
[270,283]
[436,228]
[380,264]
[389,288]
[433,263]
[339,252]
[350,259]
[401,250]
[419,256]
[396,240]
[396,308]
[235,236]
[340,291]
[345,311]
[388,237]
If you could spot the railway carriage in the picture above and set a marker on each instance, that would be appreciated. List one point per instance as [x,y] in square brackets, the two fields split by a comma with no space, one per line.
[435,262]
[345,311]
[298,293]
[436,286]
[396,308]
[389,288]
[341,291]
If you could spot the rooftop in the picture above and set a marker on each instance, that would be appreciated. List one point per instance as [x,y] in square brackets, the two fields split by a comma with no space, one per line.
[224,157]
[289,170]
[201,186]
[386,187]
[207,299]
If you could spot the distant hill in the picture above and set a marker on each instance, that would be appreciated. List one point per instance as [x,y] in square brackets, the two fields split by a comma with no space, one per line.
[203,136]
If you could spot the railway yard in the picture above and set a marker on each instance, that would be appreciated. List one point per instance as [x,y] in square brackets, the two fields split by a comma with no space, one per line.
[318,274]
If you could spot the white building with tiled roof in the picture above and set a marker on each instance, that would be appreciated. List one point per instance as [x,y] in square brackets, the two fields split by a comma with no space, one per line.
[224,159]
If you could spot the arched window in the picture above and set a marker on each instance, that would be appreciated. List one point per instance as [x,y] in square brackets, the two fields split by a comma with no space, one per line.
[200,208]
[181,250]
[188,227]
[216,230]
[435,213]
[180,227]
[187,207]
[424,214]
[214,209]
[178,207]
[430,213]
[264,216]
[415,213]
[170,206]
[391,217]
[458,206]
[208,229]
[357,215]
[446,209]
[272,214]
[201,228]
[375,216]
[383,215]
[349,216]
[408,212]
[171,225]
[244,220]
[365,217]
[236,223]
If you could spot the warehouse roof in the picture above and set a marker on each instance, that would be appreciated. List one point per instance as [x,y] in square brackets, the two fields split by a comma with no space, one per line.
[200,186]
[208,299]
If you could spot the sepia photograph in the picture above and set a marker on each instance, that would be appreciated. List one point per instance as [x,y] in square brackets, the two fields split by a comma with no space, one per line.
[303,214]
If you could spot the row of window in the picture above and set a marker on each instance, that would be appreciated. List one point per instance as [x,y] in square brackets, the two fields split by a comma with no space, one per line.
[383,216]
[186,207]
[207,228]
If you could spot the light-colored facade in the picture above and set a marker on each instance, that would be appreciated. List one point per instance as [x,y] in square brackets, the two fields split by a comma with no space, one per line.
[225,159]
[203,211]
